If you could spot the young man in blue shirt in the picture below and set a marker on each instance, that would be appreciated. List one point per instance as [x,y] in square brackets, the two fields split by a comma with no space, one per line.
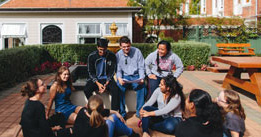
[101,69]
[130,67]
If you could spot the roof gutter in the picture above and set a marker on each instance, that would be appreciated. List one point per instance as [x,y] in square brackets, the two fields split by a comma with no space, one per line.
[96,9]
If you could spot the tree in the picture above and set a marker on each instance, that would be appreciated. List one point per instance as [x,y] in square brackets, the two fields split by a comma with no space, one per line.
[159,13]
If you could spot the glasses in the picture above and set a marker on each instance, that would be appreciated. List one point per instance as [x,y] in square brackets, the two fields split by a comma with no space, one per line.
[126,61]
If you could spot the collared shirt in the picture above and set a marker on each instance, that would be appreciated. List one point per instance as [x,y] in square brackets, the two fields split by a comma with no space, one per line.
[130,65]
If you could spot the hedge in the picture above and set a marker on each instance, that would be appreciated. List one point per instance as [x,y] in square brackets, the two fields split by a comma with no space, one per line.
[17,64]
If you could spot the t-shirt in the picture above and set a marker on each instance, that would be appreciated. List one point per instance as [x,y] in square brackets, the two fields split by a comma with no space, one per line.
[234,123]
[33,121]
[101,68]
[192,127]
[82,127]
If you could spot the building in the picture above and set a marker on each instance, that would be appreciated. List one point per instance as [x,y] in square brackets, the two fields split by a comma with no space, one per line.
[30,22]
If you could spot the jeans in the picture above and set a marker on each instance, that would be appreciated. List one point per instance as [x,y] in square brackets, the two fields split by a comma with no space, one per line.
[153,84]
[140,96]
[158,123]
[118,126]
[111,87]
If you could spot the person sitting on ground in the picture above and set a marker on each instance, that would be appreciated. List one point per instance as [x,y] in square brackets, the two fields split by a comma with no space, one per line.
[130,73]
[102,65]
[171,102]
[95,121]
[160,63]
[60,92]
[204,118]
[33,120]
[234,124]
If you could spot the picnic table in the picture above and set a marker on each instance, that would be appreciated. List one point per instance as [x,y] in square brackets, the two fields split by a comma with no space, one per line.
[251,65]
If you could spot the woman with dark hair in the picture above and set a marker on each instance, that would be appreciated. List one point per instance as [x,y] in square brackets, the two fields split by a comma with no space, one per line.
[33,120]
[60,92]
[160,64]
[205,119]
[168,114]
[95,121]
[234,124]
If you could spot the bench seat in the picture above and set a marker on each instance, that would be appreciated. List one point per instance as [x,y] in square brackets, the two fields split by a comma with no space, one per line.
[235,49]
[218,69]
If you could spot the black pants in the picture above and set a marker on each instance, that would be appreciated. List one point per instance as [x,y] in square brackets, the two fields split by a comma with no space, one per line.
[111,87]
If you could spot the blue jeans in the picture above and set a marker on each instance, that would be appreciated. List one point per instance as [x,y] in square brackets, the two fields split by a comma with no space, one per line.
[158,123]
[118,127]
[153,84]
[140,96]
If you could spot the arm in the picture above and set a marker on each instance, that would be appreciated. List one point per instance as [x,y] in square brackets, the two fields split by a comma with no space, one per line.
[179,66]
[53,90]
[234,134]
[117,114]
[153,98]
[173,103]
[91,68]
[141,65]
[112,68]
[148,62]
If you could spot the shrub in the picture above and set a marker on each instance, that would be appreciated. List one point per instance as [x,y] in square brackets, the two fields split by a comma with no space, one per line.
[18,64]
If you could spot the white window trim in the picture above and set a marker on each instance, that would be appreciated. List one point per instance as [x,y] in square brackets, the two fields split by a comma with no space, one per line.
[246,4]
[203,5]
[43,25]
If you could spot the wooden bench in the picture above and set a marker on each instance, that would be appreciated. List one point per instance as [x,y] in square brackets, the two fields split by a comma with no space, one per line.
[235,49]
[218,69]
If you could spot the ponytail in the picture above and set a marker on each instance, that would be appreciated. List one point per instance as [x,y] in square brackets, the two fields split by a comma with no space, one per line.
[29,89]
[95,108]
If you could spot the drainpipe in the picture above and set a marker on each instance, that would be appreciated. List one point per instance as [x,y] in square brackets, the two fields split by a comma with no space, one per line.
[256,11]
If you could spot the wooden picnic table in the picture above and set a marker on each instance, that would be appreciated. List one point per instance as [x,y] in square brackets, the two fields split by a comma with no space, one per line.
[251,65]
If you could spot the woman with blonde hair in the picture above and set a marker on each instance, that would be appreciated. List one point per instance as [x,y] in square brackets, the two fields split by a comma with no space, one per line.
[60,92]
[95,121]
[234,124]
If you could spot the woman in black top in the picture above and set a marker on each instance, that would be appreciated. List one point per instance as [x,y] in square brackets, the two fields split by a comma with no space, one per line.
[205,119]
[95,121]
[33,120]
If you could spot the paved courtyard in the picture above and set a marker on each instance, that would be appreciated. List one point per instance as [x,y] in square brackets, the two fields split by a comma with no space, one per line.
[11,102]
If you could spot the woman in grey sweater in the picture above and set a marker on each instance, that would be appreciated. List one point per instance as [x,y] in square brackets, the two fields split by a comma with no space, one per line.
[168,114]
[160,64]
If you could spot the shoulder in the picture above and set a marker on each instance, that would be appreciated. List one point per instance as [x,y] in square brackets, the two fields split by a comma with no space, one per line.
[119,53]
[92,54]
[54,85]
[111,54]
[231,115]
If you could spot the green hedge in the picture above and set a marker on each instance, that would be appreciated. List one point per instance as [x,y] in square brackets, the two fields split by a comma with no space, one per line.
[17,64]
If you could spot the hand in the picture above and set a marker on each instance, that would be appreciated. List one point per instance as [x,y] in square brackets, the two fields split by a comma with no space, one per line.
[55,128]
[121,81]
[141,112]
[120,117]
[145,113]
[141,82]
[152,76]
[106,84]
[101,87]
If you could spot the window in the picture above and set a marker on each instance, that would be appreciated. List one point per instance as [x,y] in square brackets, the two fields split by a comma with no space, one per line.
[51,34]
[121,31]
[89,32]
[13,35]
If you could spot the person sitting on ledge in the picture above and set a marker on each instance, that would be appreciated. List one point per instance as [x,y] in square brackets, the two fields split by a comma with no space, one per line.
[60,92]
[101,69]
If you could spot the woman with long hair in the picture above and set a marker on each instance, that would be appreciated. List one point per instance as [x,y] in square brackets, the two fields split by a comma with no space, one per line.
[234,124]
[160,63]
[95,121]
[33,120]
[204,118]
[168,114]
[60,92]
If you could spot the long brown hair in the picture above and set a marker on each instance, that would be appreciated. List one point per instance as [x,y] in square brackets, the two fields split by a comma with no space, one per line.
[29,88]
[95,108]
[234,103]
[60,83]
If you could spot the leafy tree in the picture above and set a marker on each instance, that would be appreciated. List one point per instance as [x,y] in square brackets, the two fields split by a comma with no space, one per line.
[159,13]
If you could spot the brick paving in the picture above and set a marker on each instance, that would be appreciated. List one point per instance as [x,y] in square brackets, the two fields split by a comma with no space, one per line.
[11,102]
